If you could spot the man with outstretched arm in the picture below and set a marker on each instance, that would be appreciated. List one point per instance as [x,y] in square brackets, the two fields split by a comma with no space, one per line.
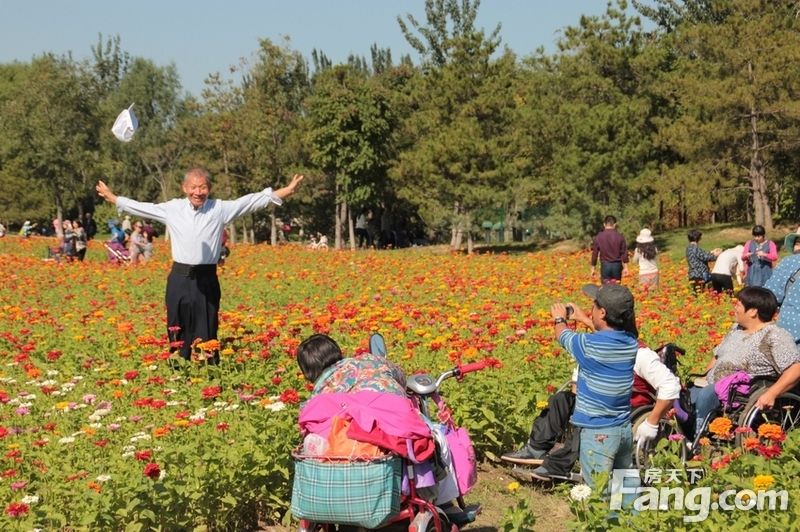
[195,224]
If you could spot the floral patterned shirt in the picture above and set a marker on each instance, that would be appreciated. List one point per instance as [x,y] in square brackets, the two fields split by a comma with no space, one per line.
[766,352]
[363,372]
[698,260]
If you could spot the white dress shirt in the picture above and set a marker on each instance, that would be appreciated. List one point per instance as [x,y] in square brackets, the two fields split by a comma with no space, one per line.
[196,234]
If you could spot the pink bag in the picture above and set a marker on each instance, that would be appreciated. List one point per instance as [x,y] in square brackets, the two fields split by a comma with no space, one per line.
[463,457]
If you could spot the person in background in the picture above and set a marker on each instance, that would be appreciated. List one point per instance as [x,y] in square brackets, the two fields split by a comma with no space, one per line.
[610,247]
[149,234]
[785,284]
[127,226]
[80,239]
[729,265]
[645,255]
[90,225]
[759,254]
[698,259]
[137,243]
[195,224]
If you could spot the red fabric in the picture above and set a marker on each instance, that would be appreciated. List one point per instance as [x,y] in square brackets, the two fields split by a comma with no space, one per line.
[642,393]
[423,448]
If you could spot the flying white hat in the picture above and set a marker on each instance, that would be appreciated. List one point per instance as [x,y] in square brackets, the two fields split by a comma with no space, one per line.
[125,125]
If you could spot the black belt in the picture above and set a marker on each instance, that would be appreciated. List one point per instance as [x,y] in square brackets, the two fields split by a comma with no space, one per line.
[193,270]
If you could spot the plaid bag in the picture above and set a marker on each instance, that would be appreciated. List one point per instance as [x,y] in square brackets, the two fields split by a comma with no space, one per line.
[347,492]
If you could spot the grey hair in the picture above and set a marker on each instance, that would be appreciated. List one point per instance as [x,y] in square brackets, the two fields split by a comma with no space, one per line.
[200,172]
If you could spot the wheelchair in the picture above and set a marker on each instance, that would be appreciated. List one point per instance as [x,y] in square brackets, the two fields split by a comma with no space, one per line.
[743,411]
[667,428]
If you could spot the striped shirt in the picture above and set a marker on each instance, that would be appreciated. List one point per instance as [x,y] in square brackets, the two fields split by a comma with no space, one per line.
[196,234]
[605,376]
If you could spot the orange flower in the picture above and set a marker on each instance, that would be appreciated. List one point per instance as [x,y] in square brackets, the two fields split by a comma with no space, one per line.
[721,427]
[92,485]
[771,432]
[751,443]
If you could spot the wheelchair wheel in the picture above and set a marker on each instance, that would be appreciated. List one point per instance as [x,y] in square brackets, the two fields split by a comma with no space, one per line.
[785,413]
[642,454]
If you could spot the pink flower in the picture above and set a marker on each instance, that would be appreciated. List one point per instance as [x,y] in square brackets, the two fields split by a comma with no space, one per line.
[18,485]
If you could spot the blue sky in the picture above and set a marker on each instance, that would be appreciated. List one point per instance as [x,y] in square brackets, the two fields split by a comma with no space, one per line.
[205,36]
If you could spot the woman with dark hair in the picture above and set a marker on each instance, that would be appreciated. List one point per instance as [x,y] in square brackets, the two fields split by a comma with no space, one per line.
[759,255]
[698,259]
[756,346]
[645,255]
[321,361]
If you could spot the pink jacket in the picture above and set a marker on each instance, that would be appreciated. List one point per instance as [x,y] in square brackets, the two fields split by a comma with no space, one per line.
[772,254]
[393,415]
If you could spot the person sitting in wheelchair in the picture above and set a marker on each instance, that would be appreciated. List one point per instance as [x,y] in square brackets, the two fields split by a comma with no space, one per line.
[654,383]
[757,347]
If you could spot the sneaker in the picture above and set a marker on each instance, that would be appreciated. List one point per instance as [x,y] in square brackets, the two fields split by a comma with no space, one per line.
[526,455]
[540,473]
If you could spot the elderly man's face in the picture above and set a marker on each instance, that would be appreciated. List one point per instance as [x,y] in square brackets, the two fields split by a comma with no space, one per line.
[196,188]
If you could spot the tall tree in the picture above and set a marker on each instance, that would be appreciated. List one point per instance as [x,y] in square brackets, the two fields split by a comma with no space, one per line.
[48,121]
[458,159]
[736,83]
[350,129]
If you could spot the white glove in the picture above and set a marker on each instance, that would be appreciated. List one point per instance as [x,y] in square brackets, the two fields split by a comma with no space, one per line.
[645,432]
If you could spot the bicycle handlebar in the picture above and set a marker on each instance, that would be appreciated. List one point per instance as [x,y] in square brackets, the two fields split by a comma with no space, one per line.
[463,369]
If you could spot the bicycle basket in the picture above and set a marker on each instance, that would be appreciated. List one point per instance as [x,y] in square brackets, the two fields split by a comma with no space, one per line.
[344,491]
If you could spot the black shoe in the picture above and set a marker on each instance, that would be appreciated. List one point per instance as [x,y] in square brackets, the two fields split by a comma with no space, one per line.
[526,455]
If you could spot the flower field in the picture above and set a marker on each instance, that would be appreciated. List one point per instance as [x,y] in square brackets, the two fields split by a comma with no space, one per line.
[98,432]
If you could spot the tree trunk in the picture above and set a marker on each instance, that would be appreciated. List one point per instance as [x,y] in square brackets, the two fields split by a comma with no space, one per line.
[273,227]
[351,231]
[758,180]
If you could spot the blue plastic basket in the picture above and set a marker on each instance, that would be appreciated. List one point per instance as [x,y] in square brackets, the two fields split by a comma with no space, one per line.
[346,492]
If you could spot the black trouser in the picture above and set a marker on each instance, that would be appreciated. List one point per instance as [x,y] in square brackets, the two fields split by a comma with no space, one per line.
[193,296]
[609,271]
[550,426]
[721,282]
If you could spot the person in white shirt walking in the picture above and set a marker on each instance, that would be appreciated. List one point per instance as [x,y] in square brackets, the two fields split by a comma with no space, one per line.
[729,265]
[645,255]
[195,224]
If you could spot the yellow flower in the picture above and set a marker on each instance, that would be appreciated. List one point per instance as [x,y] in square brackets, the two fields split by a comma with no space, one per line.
[705,442]
[181,423]
[513,487]
[541,404]
[762,482]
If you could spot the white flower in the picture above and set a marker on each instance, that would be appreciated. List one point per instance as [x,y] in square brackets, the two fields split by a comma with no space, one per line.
[57,392]
[48,382]
[580,492]
[229,408]
[66,439]
[152,367]
[103,478]
[67,386]
[52,372]
[277,406]
[220,404]
[162,474]
[30,499]
[96,425]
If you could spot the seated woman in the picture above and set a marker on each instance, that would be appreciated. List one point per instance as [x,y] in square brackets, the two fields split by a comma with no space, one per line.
[757,347]
[363,398]
[321,361]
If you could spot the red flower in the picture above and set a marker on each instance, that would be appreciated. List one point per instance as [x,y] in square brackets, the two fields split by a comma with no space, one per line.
[130,375]
[17,509]
[3,432]
[211,392]
[290,396]
[276,380]
[152,471]
[143,456]
[222,427]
